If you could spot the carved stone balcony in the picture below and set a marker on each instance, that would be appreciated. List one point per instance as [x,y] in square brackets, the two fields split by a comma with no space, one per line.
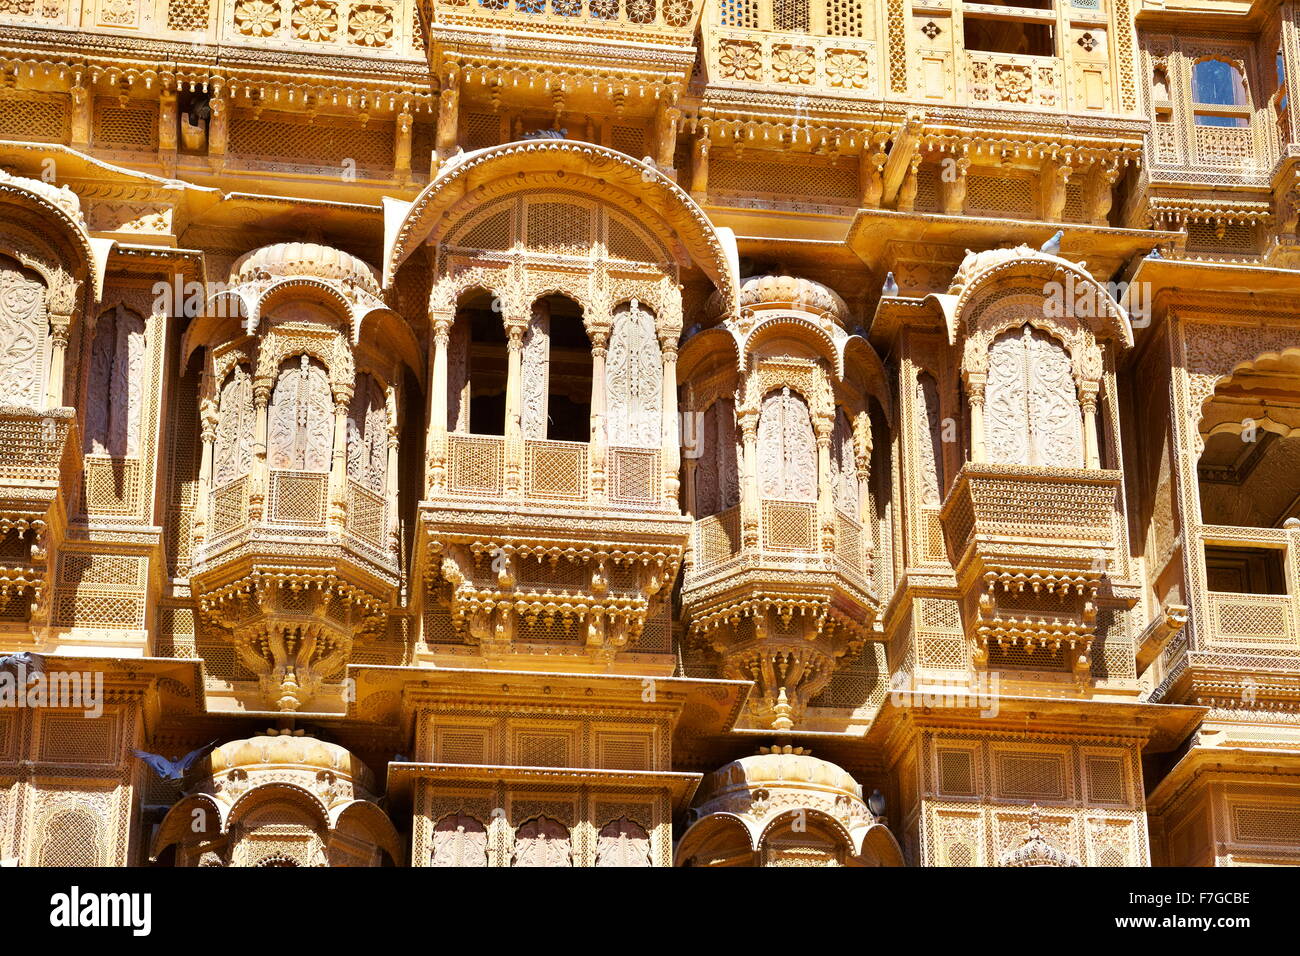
[807,64]
[541,550]
[295,579]
[780,604]
[1031,547]
[38,461]
[663,22]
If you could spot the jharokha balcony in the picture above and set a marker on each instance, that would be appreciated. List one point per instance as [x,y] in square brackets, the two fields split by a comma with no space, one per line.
[39,460]
[1031,547]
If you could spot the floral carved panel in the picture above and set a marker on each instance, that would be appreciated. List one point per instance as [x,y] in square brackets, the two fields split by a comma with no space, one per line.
[22,335]
[717,476]
[459,840]
[115,386]
[300,429]
[537,350]
[233,454]
[1032,414]
[368,434]
[787,449]
[634,381]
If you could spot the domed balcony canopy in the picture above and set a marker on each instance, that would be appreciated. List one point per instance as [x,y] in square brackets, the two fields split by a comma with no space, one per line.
[63,252]
[264,277]
[604,173]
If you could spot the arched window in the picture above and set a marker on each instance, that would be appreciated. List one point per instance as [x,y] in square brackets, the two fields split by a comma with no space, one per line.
[1219,94]
[22,334]
[634,380]
[459,840]
[1032,412]
[622,842]
[844,466]
[236,423]
[556,386]
[543,842]
[115,385]
[300,433]
[787,448]
[476,368]
[929,444]
[368,434]
[717,473]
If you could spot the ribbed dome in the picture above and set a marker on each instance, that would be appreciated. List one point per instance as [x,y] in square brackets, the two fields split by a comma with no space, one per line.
[774,771]
[288,751]
[304,259]
[61,196]
[785,292]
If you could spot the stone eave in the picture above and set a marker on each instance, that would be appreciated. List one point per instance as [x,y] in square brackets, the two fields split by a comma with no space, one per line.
[1199,761]
[1158,728]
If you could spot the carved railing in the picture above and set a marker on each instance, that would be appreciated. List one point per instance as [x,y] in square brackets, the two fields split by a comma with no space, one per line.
[298,498]
[229,508]
[555,470]
[1003,79]
[1232,146]
[1240,619]
[32,445]
[476,466]
[792,62]
[367,515]
[790,526]
[626,19]
[717,538]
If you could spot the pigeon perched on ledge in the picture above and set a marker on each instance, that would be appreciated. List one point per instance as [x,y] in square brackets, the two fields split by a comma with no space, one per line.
[174,769]
[31,662]
[1053,246]
[891,285]
[547,134]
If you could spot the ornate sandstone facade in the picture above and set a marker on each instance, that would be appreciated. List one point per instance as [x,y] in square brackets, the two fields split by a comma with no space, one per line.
[650,432]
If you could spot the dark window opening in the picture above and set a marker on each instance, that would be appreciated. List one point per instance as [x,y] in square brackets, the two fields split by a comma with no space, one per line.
[568,380]
[1239,570]
[481,337]
[1004,36]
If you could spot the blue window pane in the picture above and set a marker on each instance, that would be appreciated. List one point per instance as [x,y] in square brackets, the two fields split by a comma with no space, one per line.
[1218,83]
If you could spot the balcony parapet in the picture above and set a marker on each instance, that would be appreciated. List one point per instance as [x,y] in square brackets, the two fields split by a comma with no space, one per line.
[38,464]
[784,610]
[295,588]
[661,22]
[1032,547]
[552,547]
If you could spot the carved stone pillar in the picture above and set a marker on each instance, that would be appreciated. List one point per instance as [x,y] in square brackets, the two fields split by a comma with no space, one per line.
[1056,180]
[700,169]
[166,121]
[208,432]
[402,146]
[954,186]
[81,119]
[339,460]
[1103,193]
[823,425]
[907,192]
[259,477]
[975,388]
[671,439]
[448,118]
[436,453]
[514,450]
[750,503]
[1088,399]
[599,443]
[390,483]
[871,177]
[59,326]
[218,125]
[666,134]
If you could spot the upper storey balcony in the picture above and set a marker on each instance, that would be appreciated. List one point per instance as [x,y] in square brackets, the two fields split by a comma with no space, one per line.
[50,274]
[1041,55]
[1033,523]
[551,533]
[780,580]
[367,28]
[296,542]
